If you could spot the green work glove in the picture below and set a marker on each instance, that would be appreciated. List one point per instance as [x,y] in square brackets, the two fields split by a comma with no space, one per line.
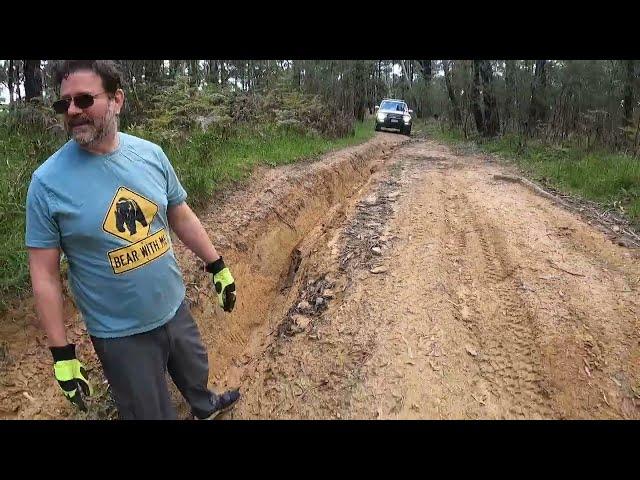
[224,283]
[71,375]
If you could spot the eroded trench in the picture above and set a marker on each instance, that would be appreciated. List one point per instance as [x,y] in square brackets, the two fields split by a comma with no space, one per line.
[275,246]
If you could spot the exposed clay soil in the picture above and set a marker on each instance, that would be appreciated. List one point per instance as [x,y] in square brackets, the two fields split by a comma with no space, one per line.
[391,280]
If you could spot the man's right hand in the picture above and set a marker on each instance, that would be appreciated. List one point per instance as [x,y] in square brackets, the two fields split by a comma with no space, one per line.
[71,375]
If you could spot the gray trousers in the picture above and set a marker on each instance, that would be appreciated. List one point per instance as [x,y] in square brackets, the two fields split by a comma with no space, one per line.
[136,366]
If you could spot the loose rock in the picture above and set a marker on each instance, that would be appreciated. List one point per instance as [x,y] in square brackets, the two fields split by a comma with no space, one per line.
[378,270]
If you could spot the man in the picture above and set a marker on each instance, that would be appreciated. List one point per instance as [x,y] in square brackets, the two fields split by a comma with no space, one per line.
[108,200]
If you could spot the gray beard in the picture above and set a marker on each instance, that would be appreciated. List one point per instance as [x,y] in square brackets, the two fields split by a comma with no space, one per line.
[92,135]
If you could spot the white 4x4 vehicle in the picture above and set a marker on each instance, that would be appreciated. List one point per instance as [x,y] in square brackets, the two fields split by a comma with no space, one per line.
[394,114]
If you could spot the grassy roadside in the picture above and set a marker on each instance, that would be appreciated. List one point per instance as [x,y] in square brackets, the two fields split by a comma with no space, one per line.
[203,162]
[610,179]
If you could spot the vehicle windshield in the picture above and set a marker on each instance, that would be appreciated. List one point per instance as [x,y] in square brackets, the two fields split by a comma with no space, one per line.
[387,105]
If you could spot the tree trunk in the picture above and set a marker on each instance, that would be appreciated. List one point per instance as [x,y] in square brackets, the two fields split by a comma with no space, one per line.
[457,118]
[32,79]
[376,79]
[194,74]
[359,90]
[213,72]
[491,115]
[174,66]
[404,72]
[296,74]
[133,69]
[537,110]
[152,71]
[17,80]
[224,74]
[378,89]
[510,91]
[475,98]
[10,81]
[137,67]
[628,92]
[250,75]
[425,66]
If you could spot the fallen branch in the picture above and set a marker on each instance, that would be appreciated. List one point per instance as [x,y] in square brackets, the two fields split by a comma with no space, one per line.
[532,186]
[554,198]
[553,265]
[626,240]
[454,304]
[631,234]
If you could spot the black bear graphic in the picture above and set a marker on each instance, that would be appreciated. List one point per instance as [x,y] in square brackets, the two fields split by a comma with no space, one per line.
[128,212]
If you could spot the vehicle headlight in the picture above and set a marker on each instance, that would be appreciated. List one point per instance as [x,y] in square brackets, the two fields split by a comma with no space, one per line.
[406,118]
[381,117]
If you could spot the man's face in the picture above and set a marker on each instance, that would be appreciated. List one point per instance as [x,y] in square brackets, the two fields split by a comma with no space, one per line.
[90,125]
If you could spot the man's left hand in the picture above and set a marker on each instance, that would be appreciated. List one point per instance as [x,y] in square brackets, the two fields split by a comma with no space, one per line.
[224,284]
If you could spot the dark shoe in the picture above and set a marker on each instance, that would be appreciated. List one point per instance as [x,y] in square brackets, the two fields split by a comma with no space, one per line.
[226,401]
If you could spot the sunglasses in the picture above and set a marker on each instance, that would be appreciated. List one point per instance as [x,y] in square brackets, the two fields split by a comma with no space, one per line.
[81,101]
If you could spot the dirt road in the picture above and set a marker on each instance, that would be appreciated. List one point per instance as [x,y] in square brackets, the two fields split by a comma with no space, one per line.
[395,280]
[494,304]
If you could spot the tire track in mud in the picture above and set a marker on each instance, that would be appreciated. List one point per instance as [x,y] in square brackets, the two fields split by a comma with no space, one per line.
[501,323]
[511,336]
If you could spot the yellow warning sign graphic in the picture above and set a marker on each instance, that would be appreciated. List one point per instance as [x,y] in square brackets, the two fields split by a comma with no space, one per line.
[140,253]
[129,216]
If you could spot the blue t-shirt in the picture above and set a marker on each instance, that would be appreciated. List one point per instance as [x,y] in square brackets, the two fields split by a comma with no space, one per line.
[108,214]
